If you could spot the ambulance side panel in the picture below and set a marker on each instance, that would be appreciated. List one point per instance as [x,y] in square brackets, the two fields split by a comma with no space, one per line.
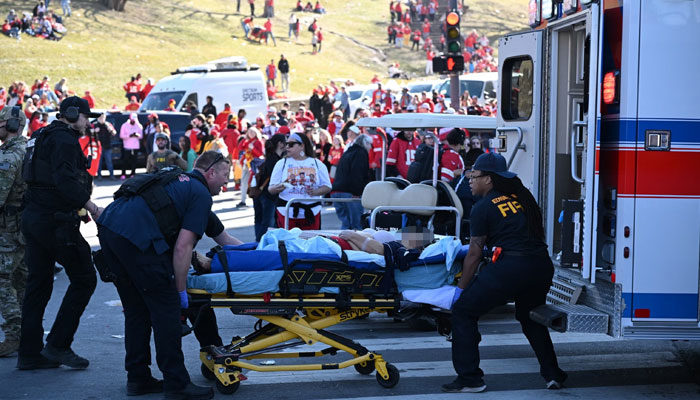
[666,249]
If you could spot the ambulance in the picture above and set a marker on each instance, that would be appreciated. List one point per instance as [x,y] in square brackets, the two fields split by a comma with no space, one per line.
[598,115]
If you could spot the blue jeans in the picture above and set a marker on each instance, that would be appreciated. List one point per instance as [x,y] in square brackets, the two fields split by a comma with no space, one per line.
[107,159]
[269,35]
[265,207]
[291,30]
[246,28]
[349,214]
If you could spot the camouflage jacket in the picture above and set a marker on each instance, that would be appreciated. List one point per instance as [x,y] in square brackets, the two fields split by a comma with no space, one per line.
[12,186]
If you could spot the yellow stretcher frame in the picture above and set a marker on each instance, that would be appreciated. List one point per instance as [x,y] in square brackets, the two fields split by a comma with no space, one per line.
[224,363]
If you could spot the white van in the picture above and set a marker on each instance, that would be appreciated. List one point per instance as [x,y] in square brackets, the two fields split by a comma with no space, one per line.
[483,85]
[228,80]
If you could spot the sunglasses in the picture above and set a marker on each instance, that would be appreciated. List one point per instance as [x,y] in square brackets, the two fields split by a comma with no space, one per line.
[219,157]
[291,144]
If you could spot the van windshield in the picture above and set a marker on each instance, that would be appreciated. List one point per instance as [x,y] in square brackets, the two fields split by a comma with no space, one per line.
[159,101]
[354,94]
[473,87]
[423,87]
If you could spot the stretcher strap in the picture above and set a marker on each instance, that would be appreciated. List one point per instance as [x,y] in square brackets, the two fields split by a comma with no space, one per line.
[224,265]
[284,283]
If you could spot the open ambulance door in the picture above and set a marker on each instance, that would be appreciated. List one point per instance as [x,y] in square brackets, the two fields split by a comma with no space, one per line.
[518,132]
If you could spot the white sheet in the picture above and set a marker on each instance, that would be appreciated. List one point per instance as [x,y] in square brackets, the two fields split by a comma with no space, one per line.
[440,297]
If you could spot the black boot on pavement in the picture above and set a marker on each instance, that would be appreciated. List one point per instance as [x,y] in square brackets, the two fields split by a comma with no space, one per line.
[152,385]
[65,356]
[191,392]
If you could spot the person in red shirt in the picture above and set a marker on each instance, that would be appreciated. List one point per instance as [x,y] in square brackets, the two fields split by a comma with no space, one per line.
[426,29]
[336,123]
[147,89]
[401,154]
[89,98]
[376,80]
[271,91]
[35,123]
[376,155]
[247,24]
[268,32]
[377,111]
[378,94]
[132,88]
[133,104]
[319,38]
[451,163]
[230,135]
[271,72]
[223,117]
[424,99]
[249,148]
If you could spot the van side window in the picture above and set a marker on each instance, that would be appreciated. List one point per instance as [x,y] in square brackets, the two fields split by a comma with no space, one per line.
[489,91]
[516,88]
[192,98]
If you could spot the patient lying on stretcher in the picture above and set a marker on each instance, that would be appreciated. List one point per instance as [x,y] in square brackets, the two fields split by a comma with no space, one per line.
[413,241]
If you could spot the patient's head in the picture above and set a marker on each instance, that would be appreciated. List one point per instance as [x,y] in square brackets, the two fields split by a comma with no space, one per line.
[413,237]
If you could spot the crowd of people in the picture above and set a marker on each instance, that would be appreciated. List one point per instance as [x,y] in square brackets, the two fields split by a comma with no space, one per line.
[423,14]
[41,22]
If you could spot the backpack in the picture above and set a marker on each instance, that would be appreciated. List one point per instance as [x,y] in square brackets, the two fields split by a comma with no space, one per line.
[421,168]
[151,187]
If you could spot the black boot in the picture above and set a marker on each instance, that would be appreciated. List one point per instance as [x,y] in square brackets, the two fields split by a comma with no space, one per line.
[191,392]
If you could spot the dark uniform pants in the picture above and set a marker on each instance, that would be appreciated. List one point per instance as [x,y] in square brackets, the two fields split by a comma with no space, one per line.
[525,280]
[146,286]
[50,241]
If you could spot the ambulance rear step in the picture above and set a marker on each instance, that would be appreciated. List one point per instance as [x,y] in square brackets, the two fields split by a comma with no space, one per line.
[562,314]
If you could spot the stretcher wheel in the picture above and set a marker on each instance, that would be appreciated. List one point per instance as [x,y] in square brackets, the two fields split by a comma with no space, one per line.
[393,377]
[365,369]
[207,373]
[230,389]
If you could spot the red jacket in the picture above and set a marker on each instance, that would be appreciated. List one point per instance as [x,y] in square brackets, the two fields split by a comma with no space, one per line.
[401,154]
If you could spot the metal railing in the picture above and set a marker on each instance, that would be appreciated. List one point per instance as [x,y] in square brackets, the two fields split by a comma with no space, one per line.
[458,214]
[313,200]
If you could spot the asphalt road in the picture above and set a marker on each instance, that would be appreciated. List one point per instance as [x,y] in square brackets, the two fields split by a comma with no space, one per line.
[598,366]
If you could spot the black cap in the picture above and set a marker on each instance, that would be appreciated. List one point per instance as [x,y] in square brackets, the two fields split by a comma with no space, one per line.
[81,104]
[492,162]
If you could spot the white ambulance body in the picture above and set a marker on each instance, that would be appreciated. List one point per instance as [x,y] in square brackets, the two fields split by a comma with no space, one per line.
[599,116]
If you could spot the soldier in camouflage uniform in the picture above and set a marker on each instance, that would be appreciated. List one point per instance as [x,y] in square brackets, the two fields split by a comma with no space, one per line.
[13,271]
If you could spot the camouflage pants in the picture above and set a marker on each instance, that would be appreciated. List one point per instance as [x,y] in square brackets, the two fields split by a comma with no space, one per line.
[13,281]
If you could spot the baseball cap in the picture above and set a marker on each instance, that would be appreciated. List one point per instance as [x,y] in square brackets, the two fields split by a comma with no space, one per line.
[492,162]
[337,113]
[283,130]
[133,116]
[161,135]
[354,129]
[153,115]
[81,104]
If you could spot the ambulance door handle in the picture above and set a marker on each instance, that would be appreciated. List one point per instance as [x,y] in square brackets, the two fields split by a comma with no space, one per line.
[574,145]
[518,146]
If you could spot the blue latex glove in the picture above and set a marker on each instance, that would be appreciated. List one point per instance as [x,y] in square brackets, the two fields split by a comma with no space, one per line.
[184,301]
[458,292]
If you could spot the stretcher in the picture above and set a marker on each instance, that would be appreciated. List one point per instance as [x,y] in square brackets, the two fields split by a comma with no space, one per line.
[295,303]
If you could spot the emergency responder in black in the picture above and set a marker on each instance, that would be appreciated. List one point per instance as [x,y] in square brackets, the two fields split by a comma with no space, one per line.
[508,220]
[59,185]
[151,269]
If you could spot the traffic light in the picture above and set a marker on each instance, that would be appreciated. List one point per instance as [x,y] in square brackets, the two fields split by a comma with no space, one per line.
[453,38]
[444,64]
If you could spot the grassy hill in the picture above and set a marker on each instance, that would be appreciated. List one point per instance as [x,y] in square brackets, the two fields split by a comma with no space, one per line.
[103,48]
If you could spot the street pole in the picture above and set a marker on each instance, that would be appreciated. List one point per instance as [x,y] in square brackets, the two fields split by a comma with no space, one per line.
[454,76]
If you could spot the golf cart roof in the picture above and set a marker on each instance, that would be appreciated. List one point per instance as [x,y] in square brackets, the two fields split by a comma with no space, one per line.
[425,120]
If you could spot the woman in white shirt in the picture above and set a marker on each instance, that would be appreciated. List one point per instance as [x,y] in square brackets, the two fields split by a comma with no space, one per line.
[299,175]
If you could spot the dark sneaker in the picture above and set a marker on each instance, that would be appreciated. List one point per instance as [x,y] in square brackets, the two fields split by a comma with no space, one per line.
[191,392]
[456,387]
[140,388]
[557,383]
[38,362]
[65,356]
[553,385]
